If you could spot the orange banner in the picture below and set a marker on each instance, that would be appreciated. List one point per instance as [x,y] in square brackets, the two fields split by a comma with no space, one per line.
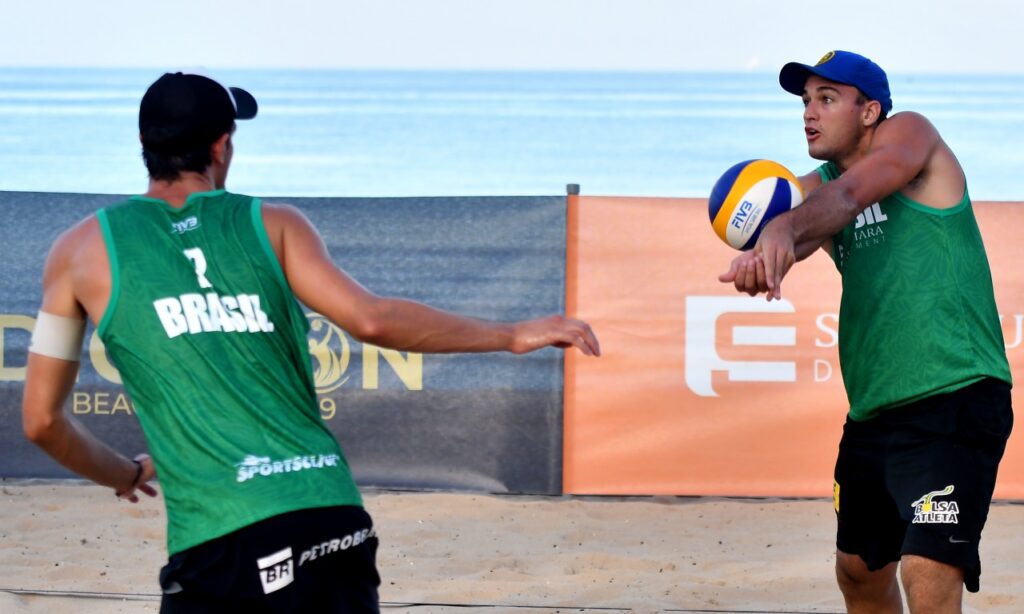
[704,391]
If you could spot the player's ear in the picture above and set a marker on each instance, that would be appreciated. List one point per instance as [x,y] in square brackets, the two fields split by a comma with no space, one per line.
[870,112]
[219,149]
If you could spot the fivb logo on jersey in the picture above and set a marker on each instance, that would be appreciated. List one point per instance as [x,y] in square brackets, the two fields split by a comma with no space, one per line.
[186,225]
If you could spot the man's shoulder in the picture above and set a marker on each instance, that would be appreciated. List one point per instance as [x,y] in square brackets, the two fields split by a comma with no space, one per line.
[906,121]
[907,116]
[87,229]
[910,135]
[278,205]
[281,213]
[938,179]
[76,240]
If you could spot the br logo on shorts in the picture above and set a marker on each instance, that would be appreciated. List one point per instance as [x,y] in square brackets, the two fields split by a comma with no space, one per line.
[276,570]
[929,511]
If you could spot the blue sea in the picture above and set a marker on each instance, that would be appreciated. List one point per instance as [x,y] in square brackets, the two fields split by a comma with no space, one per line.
[435,133]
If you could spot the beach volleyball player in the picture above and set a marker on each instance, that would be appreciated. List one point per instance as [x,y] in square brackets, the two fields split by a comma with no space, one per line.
[920,342]
[193,290]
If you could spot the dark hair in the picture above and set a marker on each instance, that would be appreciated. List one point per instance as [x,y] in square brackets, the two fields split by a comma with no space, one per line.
[170,166]
[862,98]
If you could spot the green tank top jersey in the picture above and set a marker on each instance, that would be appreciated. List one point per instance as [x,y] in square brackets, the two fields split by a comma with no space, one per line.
[918,314]
[211,346]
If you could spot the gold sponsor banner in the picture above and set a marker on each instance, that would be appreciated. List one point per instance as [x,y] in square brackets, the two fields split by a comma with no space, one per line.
[704,391]
[329,347]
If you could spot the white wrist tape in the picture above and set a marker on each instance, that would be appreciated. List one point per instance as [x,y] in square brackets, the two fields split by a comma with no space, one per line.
[58,337]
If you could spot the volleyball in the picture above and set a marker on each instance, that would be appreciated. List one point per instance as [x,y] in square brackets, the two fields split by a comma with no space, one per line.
[747,196]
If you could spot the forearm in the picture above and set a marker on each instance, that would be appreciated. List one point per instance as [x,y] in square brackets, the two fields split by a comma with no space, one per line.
[805,249]
[407,325]
[74,447]
[826,211]
[402,324]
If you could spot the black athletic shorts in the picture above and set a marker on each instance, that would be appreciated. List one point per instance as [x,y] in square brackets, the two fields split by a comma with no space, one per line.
[918,479]
[316,560]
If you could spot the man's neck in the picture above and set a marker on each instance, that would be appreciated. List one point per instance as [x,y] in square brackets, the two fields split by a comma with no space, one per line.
[862,148]
[176,192]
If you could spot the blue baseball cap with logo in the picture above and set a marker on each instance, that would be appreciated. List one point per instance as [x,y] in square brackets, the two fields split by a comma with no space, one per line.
[842,67]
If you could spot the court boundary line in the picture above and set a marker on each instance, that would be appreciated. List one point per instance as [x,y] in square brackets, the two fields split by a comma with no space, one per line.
[406,604]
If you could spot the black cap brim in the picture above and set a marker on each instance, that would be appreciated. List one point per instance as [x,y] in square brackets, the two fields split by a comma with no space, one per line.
[793,77]
[245,103]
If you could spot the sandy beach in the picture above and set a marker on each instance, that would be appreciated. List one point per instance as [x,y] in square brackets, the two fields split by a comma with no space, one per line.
[68,547]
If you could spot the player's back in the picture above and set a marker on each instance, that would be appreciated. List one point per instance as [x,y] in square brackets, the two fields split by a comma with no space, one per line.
[211,345]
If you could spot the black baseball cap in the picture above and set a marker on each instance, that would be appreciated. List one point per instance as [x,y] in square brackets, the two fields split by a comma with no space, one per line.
[182,112]
[842,67]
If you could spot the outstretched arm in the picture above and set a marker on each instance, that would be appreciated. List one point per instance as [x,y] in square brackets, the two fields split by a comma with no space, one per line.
[48,383]
[398,323]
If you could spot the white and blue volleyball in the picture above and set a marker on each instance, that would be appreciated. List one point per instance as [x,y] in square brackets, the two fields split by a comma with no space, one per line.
[747,196]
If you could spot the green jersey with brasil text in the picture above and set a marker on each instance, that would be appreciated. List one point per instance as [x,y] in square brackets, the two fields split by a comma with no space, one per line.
[211,345]
[918,314]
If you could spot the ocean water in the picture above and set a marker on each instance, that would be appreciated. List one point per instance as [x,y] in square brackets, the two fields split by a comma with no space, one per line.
[395,133]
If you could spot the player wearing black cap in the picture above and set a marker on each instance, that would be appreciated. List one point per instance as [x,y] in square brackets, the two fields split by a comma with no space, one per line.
[194,292]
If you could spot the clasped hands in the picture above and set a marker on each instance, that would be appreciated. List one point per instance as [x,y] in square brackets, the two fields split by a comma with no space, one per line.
[761,269]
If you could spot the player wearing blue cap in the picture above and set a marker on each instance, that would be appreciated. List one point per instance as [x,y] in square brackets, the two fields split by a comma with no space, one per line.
[920,343]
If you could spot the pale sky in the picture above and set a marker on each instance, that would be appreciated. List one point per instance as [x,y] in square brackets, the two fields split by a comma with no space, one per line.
[904,36]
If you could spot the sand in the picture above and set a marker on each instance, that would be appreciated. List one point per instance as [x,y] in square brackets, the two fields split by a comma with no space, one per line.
[69,547]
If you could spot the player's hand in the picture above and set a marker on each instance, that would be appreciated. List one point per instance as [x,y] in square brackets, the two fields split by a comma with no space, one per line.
[746,273]
[148,473]
[557,331]
[776,248]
